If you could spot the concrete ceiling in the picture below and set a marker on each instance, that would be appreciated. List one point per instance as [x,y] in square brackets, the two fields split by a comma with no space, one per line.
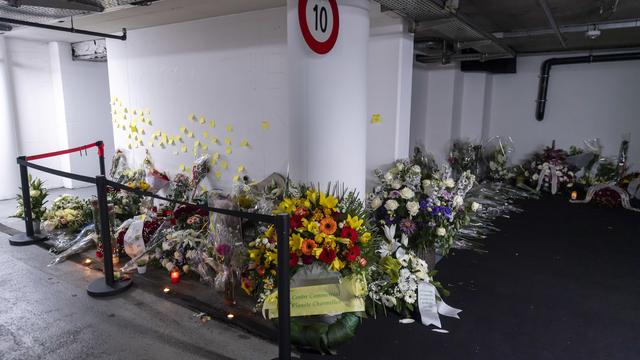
[526,15]
[122,15]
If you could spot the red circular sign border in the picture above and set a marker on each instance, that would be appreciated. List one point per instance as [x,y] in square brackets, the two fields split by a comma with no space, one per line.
[315,45]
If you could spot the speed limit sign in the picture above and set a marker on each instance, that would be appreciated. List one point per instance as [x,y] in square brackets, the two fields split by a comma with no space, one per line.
[319,22]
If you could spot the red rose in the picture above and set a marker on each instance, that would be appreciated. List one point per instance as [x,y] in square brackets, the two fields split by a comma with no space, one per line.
[295,222]
[349,233]
[293,259]
[353,253]
[260,270]
[328,255]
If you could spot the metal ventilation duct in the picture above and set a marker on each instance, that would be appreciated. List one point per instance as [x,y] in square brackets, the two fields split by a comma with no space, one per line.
[435,20]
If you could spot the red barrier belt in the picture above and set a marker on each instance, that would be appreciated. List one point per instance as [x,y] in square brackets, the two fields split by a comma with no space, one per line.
[68,151]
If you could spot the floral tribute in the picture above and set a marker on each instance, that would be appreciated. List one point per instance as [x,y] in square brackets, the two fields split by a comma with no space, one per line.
[549,171]
[67,213]
[323,229]
[37,195]
[397,274]
[428,208]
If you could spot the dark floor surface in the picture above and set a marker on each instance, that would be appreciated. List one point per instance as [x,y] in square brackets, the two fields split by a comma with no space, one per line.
[560,281]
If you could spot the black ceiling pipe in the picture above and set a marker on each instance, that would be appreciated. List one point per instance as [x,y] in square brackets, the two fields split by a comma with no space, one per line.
[122,37]
[543,85]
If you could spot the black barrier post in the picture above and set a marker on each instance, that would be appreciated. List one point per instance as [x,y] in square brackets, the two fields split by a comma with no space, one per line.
[100,146]
[284,296]
[29,237]
[107,286]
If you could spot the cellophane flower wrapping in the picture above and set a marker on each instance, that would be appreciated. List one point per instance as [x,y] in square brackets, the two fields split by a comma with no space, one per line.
[549,171]
[225,237]
[68,213]
[156,179]
[465,156]
[497,152]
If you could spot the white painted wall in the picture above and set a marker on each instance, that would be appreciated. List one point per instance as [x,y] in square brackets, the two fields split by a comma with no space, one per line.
[585,101]
[8,138]
[234,70]
[57,104]
[37,131]
[81,91]
[229,69]
[390,68]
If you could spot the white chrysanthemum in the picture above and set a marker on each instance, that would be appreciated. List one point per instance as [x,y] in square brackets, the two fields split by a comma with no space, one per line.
[457,201]
[410,297]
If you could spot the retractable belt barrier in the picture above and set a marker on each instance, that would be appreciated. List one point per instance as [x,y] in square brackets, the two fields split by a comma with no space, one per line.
[109,286]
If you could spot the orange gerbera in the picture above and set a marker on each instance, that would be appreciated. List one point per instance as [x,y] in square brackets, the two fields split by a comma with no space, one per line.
[307,246]
[328,226]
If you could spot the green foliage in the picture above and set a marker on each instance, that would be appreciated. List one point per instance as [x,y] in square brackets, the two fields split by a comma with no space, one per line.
[37,194]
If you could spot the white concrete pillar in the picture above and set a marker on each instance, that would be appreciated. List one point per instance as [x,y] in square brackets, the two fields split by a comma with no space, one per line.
[328,99]
[8,135]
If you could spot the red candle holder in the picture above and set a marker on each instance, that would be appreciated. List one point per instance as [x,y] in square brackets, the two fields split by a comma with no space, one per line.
[175,277]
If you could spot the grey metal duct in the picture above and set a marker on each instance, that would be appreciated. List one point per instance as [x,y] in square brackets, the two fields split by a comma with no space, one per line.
[439,20]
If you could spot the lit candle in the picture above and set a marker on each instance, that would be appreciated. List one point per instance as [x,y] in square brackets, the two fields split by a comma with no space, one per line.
[230,316]
[574,195]
[87,261]
[166,290]
[175,277]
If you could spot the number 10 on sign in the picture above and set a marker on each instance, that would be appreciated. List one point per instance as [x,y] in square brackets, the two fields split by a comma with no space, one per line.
[319,24]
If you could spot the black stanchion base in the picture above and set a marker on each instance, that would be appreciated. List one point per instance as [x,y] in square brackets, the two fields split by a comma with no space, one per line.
[99,287]
[22,239]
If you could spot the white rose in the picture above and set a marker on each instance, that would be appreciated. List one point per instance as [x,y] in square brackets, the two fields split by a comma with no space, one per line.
[449,183]
[441,231]
[376,202]
[399,165]
[415,168]
[396,184]
[388,176]
[413,207]
[391,205]
[177,255]
[475,206]
[457,201]
[407,193]
[426,184]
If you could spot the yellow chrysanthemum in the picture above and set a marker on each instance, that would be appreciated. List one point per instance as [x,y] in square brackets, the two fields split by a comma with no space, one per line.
[328,201]
[254,255]
[354,222]
[365,238]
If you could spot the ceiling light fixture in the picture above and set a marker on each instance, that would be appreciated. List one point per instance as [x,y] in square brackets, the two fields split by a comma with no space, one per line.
[593,32]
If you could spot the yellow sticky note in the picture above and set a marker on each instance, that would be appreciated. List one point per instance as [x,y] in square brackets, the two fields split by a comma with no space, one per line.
[192,117]
[244,143]
[190,134]
[227,141]
[126,111]
[240,168]
[224,164]
[265,125]
[205,134]
[129,136]
[164,137]
[183,129]
[182,167]
[212,123]
[229,128]
[151,144]
[135,112]
[134,129]
[196,143]
[214,161]
[214,140]
[171,141]
[179,138]
[202,120]
[228,150]
[142,131]
[218,174]
[215,156]
[204,147]
[130,147]
[376,118]
[236,178]
[184,148]
[195,152]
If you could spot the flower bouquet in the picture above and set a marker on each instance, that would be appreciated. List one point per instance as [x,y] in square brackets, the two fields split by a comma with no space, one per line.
[329,246]
[549,171]
[427,208]
[37,195]
[465,156]
[497,151]
[67,213]
[178,249]
[180,188]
